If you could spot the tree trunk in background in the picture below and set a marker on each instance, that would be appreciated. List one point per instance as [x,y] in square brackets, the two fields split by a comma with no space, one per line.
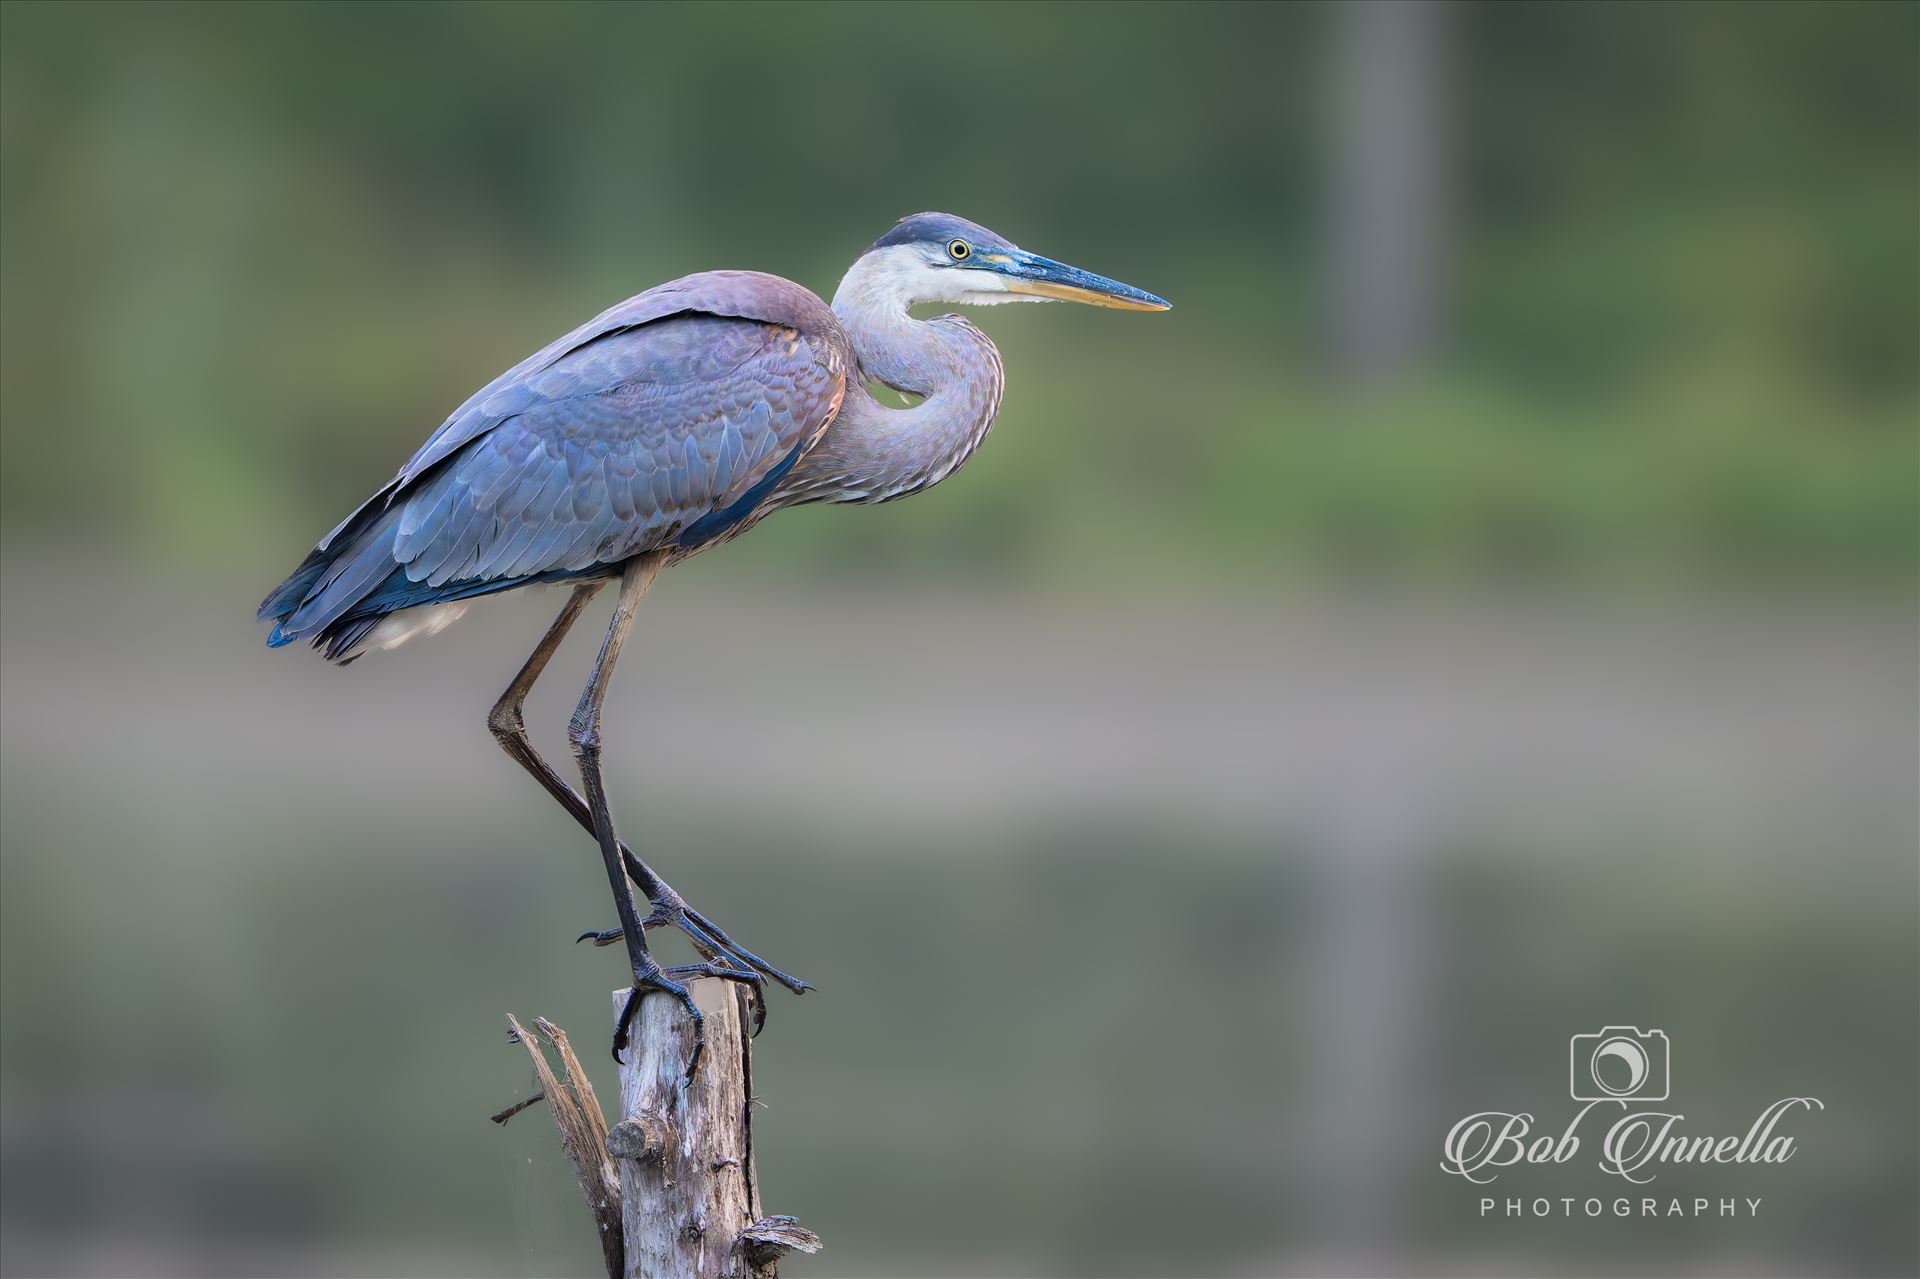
[1387,205]
[1388,216]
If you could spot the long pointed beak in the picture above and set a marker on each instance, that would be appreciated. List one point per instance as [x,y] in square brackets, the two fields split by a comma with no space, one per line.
[1035,276]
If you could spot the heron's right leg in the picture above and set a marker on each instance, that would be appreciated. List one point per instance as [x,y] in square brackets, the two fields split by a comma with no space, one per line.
[509,726]
[583,732]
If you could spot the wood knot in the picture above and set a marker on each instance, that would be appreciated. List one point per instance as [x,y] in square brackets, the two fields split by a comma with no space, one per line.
[641,1138]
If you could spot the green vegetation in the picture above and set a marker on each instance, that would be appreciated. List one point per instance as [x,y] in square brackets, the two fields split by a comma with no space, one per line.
[252,256]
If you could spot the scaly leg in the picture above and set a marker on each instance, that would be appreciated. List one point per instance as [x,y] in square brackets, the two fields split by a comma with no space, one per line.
[583,733]
[508,725]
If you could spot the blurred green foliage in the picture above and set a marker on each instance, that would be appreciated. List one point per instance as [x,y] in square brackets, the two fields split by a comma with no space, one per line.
[253,254]
[260,924]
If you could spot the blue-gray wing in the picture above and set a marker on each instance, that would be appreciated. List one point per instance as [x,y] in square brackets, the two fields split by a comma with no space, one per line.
[663,415]
[618,447]
[747,295]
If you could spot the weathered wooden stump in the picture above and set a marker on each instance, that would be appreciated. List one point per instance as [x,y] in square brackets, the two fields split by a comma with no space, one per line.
[689,1191]
[672,1186]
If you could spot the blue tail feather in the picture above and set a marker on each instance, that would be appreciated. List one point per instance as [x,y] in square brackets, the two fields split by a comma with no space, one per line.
[337,629]
[289,595]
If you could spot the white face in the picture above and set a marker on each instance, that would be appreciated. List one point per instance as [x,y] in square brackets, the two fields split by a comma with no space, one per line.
[913,273]
[887,281]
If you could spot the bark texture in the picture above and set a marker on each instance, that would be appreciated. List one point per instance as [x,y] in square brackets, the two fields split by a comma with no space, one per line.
[690,1196]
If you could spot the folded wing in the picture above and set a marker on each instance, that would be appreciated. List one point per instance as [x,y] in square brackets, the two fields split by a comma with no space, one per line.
[657,422]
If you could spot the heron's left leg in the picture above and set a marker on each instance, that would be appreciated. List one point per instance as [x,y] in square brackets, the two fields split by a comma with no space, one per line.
[507,722]
[583,732]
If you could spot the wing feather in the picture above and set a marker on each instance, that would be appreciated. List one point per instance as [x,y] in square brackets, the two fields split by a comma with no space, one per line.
[660,414]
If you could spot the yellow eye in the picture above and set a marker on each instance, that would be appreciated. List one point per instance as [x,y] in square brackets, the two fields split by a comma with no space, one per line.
[958,250]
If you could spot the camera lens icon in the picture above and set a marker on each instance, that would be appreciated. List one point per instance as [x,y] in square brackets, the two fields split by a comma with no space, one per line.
[1620,1063]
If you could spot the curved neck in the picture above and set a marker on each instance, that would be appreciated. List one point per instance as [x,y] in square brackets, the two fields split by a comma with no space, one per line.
[873,453]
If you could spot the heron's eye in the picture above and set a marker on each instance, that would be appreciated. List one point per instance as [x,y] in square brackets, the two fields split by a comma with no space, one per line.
[958,250]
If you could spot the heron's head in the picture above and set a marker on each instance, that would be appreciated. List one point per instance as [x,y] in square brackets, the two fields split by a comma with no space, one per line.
[936,257]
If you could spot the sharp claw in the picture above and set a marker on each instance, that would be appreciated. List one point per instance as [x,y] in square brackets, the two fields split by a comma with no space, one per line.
[661,979]
[699,1033]
[620,1036]
[721,957]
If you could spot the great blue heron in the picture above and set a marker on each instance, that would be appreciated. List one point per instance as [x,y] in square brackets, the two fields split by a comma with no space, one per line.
[669,424]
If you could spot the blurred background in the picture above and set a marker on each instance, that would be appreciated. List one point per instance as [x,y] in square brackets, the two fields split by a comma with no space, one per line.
[1483,611]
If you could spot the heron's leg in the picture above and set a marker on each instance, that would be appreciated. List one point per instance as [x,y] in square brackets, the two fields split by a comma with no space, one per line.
[704,933]
[583,732]
[508,724]
[507,720]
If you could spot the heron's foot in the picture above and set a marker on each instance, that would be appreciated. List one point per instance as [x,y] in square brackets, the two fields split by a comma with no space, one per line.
[650,977]
[714,945]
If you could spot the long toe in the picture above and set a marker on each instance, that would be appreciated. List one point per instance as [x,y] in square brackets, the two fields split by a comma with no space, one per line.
[696,925]
[720,954]
[654,979]
[745,976]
